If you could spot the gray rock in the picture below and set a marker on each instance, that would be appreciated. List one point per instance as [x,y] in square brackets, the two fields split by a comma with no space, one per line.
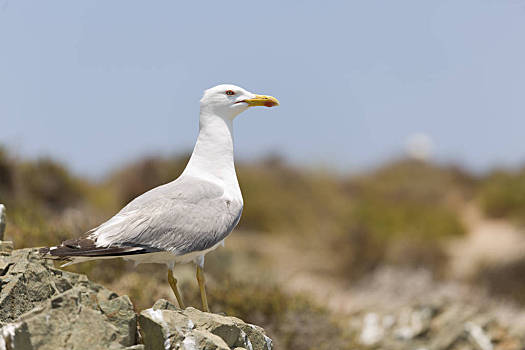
[164,326]
[447,325]
[46,308]
[119,311]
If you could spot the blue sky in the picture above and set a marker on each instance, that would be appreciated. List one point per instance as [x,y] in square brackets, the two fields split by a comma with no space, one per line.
[98,83]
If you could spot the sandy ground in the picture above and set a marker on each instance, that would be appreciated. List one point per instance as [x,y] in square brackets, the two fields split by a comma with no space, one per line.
[488,241]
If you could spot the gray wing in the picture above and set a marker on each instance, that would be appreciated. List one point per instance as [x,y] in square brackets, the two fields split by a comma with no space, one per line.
[183,216]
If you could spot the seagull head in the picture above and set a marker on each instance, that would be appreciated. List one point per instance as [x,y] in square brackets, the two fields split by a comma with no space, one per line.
[227,100]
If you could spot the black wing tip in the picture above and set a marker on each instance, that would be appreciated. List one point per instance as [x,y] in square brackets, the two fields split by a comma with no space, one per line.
[66,252]
[47,253]
[58,252]
[86,247]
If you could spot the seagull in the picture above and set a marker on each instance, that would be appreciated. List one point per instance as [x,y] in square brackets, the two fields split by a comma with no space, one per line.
[181,221]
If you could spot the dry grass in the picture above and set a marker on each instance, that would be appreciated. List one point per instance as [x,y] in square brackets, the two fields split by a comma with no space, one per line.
[502,195]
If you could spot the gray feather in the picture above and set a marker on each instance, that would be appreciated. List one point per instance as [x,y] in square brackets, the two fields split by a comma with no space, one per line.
[183,216]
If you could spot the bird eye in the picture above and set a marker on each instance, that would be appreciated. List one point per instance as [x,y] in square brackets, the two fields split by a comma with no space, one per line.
[230,92]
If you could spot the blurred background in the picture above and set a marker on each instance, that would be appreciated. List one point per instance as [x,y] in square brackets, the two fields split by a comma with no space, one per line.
[393,170]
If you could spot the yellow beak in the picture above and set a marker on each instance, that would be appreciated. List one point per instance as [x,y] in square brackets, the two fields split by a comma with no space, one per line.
[262,100]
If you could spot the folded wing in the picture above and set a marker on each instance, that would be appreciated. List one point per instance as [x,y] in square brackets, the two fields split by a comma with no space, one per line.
[183,216]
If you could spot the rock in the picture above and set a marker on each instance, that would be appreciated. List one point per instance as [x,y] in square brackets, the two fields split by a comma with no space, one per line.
[448,325]
[164,326]
[47,309]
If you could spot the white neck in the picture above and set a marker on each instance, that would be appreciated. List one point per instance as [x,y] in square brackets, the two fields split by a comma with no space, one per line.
[212,157]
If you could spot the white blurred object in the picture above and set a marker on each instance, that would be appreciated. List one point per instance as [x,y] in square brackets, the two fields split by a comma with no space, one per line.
[478,335]
[419,146]
[372,331]
[2,221]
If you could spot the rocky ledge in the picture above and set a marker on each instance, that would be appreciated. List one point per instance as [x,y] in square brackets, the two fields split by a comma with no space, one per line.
[46,308]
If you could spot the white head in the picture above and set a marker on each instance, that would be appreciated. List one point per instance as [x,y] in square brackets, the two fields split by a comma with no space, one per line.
[227,101]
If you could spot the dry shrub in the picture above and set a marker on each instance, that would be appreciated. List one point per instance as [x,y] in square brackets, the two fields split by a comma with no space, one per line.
[286,200]
[504,280]
[140,176]
[502,195]
[6,174]
[50,184]
[401,213]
